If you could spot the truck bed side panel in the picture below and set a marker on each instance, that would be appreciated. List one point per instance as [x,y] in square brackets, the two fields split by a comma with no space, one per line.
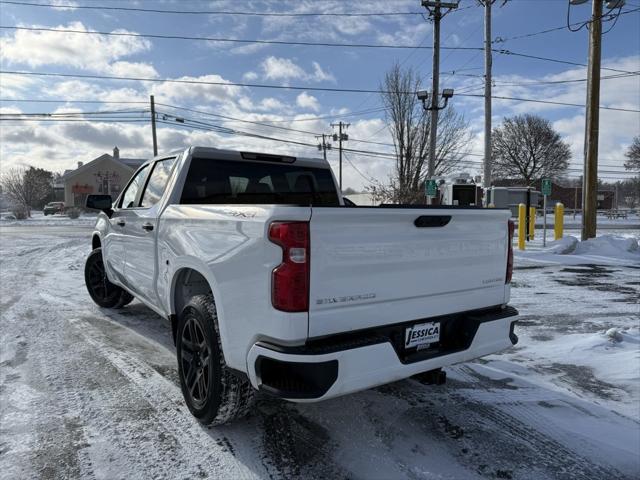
[228,245]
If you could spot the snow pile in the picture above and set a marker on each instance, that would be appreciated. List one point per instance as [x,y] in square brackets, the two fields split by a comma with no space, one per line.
[613,355]
[608,245]
[563,246]
[602,250]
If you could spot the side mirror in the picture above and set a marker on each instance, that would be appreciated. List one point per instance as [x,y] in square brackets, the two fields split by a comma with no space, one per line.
[100,202]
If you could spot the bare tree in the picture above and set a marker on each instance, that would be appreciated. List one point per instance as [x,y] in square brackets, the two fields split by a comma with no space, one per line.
[26,187]
[409,126]
[527,148]
[633,154]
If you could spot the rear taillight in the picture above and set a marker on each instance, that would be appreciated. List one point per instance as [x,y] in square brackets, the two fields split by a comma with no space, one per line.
[290,279]
[511,228]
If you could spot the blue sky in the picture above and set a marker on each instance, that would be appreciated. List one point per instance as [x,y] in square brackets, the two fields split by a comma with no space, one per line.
[59,145]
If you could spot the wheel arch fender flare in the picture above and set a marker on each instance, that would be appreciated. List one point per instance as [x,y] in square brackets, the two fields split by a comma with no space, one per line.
[180,268]
[96,240]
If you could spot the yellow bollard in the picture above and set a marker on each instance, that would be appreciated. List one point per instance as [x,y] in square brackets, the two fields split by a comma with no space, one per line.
[558,221]
[522,219]
[532,223]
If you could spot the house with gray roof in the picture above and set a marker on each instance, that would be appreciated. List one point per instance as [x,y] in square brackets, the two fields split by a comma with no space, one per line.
[106,174]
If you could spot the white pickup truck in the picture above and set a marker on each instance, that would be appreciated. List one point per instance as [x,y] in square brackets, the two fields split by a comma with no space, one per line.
[272,282]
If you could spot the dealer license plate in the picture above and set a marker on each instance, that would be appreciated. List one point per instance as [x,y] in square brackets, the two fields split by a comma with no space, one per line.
[422,335]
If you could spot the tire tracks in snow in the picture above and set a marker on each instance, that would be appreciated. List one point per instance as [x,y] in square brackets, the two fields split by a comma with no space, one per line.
[165,399]
[501,436]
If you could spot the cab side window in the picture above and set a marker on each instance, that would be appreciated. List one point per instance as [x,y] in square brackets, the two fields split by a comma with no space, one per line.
[157,182]
[131,193]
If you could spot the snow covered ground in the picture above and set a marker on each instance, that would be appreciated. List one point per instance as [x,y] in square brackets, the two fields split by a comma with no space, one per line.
[90,393]
[39,219]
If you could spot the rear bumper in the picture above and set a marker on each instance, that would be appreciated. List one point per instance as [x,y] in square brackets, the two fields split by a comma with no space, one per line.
[343,364]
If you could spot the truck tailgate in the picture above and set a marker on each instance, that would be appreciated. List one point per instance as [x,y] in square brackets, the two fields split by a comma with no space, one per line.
[374,266]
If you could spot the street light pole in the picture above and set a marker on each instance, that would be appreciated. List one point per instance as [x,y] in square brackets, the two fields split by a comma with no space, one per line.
[486,177]
[433,131]
[434,7]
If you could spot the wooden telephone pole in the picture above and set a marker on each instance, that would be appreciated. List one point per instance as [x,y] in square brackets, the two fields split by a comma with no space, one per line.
[590,182]
[340,137]
[153,126]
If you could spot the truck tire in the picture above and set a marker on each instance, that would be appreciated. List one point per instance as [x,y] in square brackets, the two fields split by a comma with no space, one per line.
[214,395]
[101,290]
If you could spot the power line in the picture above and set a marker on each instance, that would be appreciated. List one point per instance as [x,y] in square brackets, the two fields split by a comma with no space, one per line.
[214,12]
[555,29]
[274,121]
[65,114]
[301,43]
[553,82]
[235,119]
[281,87]
[229,40]
[366,177]
[218,12]
[33,100]
[192,82]
[549,102]
[292,119]
[89,120]
[555,60]
[229,131]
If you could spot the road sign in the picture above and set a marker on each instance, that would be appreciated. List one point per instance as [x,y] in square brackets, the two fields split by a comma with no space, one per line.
[546,186]
[431,188]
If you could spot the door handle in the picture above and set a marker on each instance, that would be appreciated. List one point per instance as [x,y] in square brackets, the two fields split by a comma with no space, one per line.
[120,223]
[147,226]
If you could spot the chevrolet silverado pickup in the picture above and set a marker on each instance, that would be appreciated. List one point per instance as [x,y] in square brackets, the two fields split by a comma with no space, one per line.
[273,283]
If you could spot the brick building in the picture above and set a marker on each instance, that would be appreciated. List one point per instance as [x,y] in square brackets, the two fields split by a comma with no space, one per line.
[571,197]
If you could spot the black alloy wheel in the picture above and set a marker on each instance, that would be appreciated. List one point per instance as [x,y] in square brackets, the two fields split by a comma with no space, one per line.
[101,290]
[196,361]
[213,394]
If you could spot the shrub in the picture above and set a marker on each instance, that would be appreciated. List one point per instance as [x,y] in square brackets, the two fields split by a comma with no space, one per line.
[20,212]
[73,212]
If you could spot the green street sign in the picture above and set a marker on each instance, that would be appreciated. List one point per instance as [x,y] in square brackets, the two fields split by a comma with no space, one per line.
[431,188]
[546,186]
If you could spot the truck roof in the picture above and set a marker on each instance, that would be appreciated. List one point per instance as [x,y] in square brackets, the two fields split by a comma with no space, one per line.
[245,155]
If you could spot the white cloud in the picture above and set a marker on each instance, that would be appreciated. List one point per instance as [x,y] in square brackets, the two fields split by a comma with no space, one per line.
[275,68]
[407,35]
[98,53]
[13,110]
[250,76]
[320,75]
[133,69]
[271,104]
[16,86]
[285,69]
[197,91]
[304,100]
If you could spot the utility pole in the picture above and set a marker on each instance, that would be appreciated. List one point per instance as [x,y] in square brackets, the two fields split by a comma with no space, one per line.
[434,7]
[339,137]
[153,126]
[590,183]
[486,177]
[435,85]
[324,146]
